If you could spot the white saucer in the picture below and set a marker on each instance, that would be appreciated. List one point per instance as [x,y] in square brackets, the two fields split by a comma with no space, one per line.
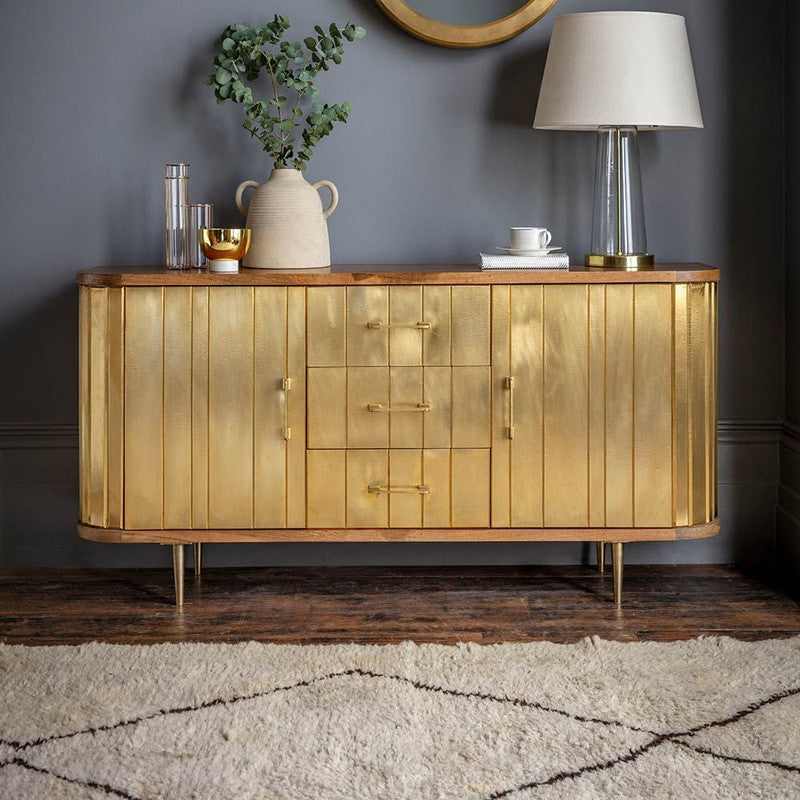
[543,252]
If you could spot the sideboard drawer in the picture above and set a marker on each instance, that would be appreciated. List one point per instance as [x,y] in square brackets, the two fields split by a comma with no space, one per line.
[375,326]
[398,488]
[399,407]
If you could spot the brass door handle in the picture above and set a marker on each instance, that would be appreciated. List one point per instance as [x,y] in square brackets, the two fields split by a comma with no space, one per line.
[374,488]
[408,407]
[286,385]
[420,326]
[508,384]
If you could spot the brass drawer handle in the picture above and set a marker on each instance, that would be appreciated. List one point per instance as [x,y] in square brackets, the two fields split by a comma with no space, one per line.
[409,407]
[508,384]
[286,385]
[420,326]
[374,488]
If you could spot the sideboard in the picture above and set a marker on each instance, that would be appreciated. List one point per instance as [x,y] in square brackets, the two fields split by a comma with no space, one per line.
[398,403]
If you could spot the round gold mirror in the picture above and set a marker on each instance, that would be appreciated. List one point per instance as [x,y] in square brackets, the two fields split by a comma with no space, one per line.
[464,23]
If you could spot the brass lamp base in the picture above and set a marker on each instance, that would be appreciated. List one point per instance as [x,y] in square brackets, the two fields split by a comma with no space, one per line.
[630,263]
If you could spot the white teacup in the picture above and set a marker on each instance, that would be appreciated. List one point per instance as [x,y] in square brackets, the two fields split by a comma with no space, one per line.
[530,238]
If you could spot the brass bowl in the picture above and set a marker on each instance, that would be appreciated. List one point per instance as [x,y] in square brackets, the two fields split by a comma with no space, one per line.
[225,243]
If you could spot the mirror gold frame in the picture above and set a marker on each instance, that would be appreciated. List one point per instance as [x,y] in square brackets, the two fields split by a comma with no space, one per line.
[447,35]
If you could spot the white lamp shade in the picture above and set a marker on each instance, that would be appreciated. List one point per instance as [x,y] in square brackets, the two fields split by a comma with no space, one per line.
[618,68]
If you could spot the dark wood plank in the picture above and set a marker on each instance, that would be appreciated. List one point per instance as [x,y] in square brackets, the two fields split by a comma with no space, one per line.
[381,274]
[382,605]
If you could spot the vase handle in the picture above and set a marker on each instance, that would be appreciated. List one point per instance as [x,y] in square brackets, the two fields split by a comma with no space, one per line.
[334,197]
[240,191]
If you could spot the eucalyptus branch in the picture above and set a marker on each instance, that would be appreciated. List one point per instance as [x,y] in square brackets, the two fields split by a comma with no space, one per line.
[245,50]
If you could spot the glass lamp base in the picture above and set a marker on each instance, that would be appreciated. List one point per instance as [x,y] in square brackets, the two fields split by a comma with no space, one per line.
[630,263]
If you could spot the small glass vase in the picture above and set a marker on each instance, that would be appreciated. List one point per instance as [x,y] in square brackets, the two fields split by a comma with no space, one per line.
[198,215]
[176,192]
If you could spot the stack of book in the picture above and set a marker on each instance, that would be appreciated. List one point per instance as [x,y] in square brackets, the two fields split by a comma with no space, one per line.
[543,262]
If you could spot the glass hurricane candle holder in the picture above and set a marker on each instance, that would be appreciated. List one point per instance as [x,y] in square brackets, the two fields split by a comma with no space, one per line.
[176,192]
[198,215]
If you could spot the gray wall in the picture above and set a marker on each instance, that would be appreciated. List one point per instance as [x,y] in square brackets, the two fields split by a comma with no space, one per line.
[438,159]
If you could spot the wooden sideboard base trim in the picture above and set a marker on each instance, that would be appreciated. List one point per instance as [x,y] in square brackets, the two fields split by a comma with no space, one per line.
[119,536]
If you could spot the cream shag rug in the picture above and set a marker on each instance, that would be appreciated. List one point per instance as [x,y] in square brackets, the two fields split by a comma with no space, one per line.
[709,718]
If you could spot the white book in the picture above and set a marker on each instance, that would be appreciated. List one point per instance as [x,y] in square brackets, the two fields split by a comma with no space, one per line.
[552,261]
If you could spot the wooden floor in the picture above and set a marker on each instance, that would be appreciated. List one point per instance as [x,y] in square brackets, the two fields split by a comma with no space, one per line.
[381,605]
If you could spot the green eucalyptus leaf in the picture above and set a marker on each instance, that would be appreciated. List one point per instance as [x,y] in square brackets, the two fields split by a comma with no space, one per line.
[247,52]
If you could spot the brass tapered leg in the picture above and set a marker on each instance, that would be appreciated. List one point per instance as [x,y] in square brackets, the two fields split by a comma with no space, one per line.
[198,557]
[601,557]
[177,570]
[616,563]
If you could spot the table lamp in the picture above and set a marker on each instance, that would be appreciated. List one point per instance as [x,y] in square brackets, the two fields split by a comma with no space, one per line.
[618,73]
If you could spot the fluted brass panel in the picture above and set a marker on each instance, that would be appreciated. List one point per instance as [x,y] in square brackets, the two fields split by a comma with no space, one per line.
[472,407]
[177,405]
[230,407]
[597,406]
[680,415]
[501,371]
[437,390]
[367,346]
[296,371]
[527,368]
[326,326]
[436,341]
[714,409]
[366,468]
[405,388]
[470,325]
[470,497]
[116,407]
[405,309]
[199,409]
[653,397]
[619,405]
[98,399]
[144,422]
[566,406]
[700,401]
[271,405]
[327,490]
[366,386]
[436,474]
[327,407]
[84,371]
[405,469]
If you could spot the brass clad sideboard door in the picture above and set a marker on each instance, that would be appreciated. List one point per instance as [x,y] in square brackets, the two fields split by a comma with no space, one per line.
[604,405]
[214,428]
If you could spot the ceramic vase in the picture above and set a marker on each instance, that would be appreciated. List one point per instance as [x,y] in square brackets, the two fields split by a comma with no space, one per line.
[288,228]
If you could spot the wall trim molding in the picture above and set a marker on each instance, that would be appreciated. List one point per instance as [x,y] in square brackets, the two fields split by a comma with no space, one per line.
[38,436]
[790,437]
[738,431]
[25,435]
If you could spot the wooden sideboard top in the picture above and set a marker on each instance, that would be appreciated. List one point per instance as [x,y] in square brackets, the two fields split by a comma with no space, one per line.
[366,274]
